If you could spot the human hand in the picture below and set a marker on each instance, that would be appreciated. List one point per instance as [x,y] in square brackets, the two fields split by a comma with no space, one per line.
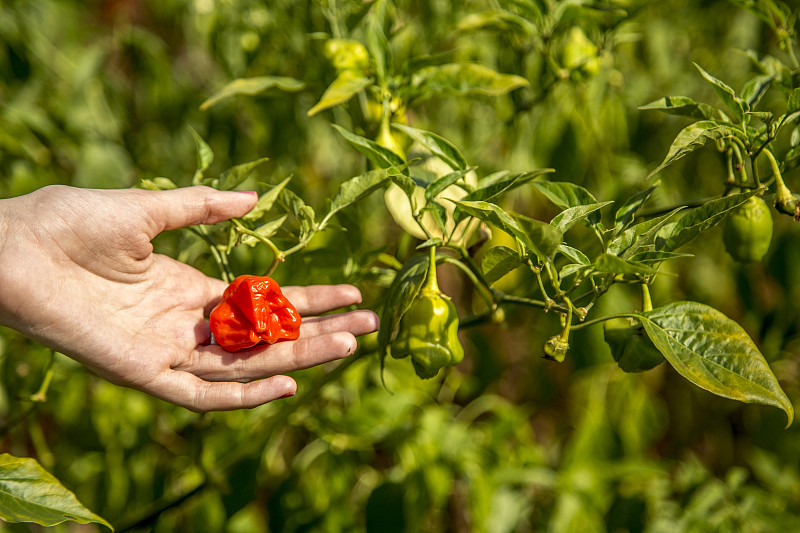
[78,274]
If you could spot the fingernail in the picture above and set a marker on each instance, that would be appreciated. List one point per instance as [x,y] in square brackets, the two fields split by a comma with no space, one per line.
[254,193]
[287,395]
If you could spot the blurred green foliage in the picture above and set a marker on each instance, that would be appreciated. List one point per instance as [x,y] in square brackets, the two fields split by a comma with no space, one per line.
[102,94]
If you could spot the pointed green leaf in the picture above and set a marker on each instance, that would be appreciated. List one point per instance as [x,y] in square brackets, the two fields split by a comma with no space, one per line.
[676,234]
[794,102]
[28,493]
[627,213]
[205,156]
[500,183]
[251,87]
[499,261]
[565,194]
[572,215]
[440,184]
[400,295]
[346,85]
[354,189]
[440,147]
[381,157]
[654,256]
[464,79]
[690,139]
[680,105]
[726,94]
[266,201]
[266,231]
[755,89]
[504,21]
[715,353]
[611,264]
[234,176]
[641,235]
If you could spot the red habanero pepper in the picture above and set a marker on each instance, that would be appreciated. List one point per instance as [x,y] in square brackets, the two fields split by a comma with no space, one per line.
[253,310]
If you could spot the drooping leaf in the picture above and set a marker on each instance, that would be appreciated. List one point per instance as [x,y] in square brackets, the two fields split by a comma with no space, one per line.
[381,157]
[565,194]
[232,177]
[715,353]
[464,79]
[690,139]
[251,87]
[656,256]
[640,235]
[439,146]
[498,20]
[346,85]
[28,493]
[680,105]
[726,94]
[205,156]
[573,215]
[545,238]
[399,297]
[626,214]
[793,104]
[266,201]
[676,234]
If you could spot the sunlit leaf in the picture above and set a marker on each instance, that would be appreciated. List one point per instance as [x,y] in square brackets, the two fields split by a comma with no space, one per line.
[611,264]
[266,201]
[440,147]
[28,493]
[463,79]
[440,184]
[157,184]
[680,105]
[266,231]
[399,297]
[500,183]
[726,94]
[499,261]
[205,156]
[626,214]
[715,353]
[381,157]
[232,177]
[251,87]
[690,139]
[346,85]
[354,189]
[573,215]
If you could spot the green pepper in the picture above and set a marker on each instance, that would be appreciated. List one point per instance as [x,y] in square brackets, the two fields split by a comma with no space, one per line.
[429,329]
[748,231]
[631,347]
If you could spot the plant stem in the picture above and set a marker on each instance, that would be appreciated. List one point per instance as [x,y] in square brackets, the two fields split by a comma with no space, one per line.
[277,255]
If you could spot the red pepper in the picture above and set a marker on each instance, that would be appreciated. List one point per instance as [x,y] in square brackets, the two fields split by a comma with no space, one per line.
[253,310]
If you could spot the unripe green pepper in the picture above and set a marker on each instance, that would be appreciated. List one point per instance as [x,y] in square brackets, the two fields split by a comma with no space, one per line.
[631,347]
[429,330]
[748,231]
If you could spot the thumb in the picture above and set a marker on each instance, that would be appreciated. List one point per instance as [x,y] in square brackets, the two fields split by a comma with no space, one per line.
[188,206]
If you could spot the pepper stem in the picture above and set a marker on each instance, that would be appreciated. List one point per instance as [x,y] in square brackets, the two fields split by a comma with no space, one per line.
[431,284]
[647,303]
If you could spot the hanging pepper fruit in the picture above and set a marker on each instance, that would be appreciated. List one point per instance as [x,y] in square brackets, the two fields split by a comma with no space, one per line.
[429,329]
[253,310]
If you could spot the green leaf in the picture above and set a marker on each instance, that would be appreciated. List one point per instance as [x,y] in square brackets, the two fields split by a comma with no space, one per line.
[680,105]
[399,297]
[726,94]
[654,256]
[205,156]
[440,147]
[626,214]
[641,235]
[612,264]
[266,201]
[346,85]
[793,104]
[502,182]
[157,184]
[676,234]
[354,189]
[572,215]
[266,230]
[715,353]
[464,79]
[565,194]
[232,177]
[690,139]
[381,157]
[755,89]
[545,238]
[436,187]
[251,87]
[497,20]
[499,261]
[28,493]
